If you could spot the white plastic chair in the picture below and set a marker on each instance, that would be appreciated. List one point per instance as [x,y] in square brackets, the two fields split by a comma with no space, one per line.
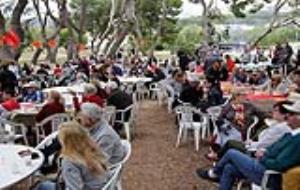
[251,127]
[127,146]
[171,97]
[54,120]
[264,182]
[17,130]
[110,114]
[112,183]
[154,89]
[126,124]
[185,118]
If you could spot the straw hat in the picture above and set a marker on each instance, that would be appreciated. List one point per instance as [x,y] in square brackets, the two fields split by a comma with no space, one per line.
[31,84]
[293,97]
[294,108]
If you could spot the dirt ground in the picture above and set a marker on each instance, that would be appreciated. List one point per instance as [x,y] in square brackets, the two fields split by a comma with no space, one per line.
[155,163]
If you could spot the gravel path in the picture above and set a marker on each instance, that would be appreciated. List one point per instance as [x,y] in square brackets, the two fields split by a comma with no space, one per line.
[155,163]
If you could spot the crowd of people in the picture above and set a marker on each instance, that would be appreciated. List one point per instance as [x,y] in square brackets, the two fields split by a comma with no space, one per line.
[196,82]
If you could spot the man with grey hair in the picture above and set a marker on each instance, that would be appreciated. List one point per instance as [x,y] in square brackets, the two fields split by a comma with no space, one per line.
[90,117]
[109,141]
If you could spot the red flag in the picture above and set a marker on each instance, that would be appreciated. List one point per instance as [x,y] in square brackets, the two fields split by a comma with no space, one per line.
[12,39]
[52,43]
[36,44]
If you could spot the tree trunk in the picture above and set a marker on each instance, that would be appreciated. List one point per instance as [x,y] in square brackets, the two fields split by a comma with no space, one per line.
[36,55]
[9,53]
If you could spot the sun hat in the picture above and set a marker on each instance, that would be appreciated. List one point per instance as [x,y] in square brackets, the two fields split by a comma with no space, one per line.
[294,108]
[293,97]
[31,84]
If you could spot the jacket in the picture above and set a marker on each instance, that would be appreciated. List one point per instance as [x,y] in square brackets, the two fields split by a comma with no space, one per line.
[109,142]
[78,177]
[283,154]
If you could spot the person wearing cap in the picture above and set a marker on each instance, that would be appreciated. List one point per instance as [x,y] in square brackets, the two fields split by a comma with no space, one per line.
[32,93]
[280,156]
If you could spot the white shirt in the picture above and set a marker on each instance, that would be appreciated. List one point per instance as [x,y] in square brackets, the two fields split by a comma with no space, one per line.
[295,132]
[271,135]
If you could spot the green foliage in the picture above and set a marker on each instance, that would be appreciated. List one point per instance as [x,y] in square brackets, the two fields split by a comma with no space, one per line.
[65,34]
[97,16]
[279,35]
[149,14]
[188,38]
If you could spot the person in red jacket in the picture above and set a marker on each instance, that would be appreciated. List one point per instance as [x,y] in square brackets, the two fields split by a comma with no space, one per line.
[230,63]
[10,102]
[53,106]
[90,95]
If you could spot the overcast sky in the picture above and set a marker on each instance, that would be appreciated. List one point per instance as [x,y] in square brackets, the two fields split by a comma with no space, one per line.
[192,9]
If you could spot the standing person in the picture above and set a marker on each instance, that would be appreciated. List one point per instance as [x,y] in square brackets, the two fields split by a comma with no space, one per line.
[83,164]
[288,53]
[230,63]
[7,78]
[183,60]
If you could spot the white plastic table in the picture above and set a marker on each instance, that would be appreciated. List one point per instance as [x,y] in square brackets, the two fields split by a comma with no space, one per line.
[13,167]
[134,79]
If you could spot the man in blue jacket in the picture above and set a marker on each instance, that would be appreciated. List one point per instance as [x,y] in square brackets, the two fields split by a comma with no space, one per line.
[280,156]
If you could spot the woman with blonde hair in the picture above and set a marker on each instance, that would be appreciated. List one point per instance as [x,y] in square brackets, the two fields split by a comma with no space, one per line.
[83,165]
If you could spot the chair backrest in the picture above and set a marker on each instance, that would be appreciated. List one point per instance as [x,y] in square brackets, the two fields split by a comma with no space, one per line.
[109,114]
[251,127]
[14,128]
[153,86]
[123,113]
[185,113]
[127,147]
[55,120]
[48,140]
[112,182]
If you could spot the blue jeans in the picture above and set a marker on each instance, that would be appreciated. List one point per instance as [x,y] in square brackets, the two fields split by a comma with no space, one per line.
[46,185]
[236,165]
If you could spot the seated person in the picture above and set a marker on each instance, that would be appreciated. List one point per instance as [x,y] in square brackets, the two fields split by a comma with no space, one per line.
[89,95]
[90,117]
[120,99]
[239,76]
[267,137]
[230,122]
[83,164]
[199,68]
[54,105]
[32,93]
[192,92]
[9,103]
[280,156]
[278,85]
